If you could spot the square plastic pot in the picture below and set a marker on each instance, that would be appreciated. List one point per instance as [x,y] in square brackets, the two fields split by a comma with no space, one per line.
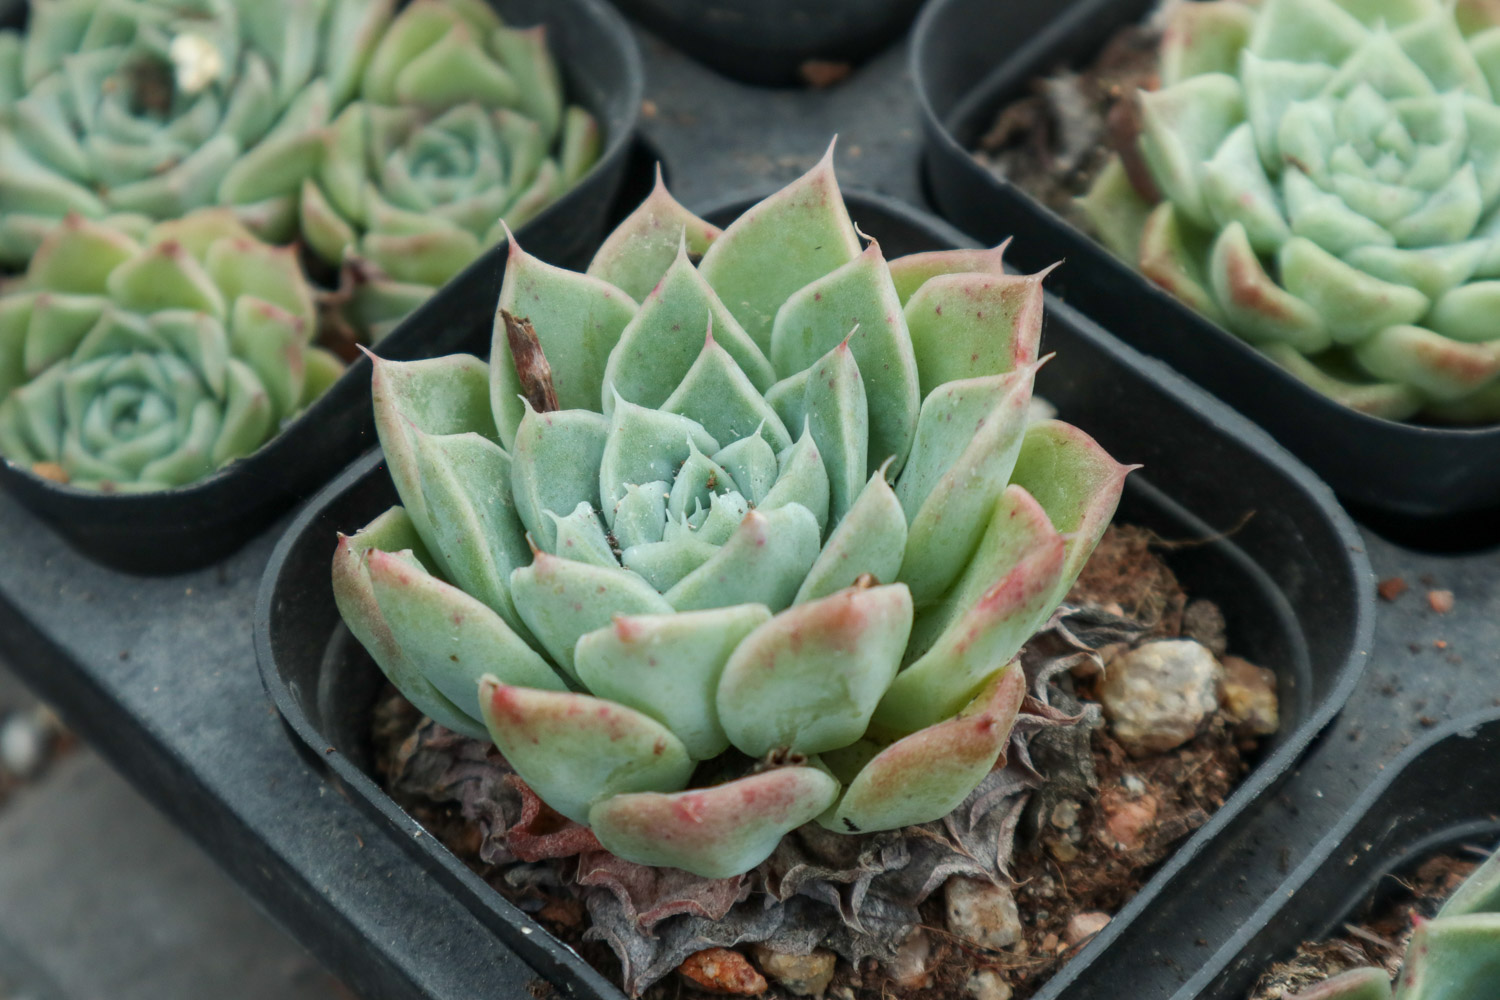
[172,531]
[1293,583]
[970,58]
[1440,794]
[766,42]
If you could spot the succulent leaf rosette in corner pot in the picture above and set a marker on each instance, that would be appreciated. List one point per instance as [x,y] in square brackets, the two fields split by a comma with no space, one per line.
[1453,956]
[738,531]
[1322,178]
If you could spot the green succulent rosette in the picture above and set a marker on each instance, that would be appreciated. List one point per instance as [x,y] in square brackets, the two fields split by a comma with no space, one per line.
[714,550]
[1453,956]
[461,130]
[132,365]
[140,110]
[1322,178]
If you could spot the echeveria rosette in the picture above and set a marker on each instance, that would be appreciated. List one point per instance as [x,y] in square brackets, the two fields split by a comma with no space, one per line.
[140,110]
[461,130]
[1322,178]
[1453,956]
[134,366]
[772,556]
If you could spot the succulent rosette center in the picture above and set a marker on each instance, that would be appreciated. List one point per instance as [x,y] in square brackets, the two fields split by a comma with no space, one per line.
[714,550]
[138,110]
[142,366]
[1328,175]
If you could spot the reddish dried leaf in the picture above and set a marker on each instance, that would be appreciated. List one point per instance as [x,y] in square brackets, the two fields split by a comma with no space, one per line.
[532,367]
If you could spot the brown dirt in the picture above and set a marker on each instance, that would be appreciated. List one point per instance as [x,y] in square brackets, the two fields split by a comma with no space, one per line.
[1053,142]
[1077,864]
[1379,939]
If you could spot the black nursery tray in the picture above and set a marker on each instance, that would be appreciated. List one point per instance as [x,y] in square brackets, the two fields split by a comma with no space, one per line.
[175,530]
[1293,583]
[969,58]
[1441,794]
[768,42]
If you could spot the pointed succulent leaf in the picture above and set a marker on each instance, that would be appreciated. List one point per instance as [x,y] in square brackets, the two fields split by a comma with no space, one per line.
[448,636]
[1172,254]
[664,339]
[763,562]
[1255,306]
[911,272]
[646,446]
[1004,594]
[668,666]
[1182,126]
[838,417]
[561,600]
[392,531]
[1441,369]
[1115,211]
[1204,38]
[968,437]
[970,325]
[581,537]
[808,679]
[790,239]
[715,832]
[803,480]
[869,540]
[577,319]
[475,535]
[448,395]
[720,397]
[640,250]
[1451,958]
[923,777]
[857,304]
[575,750]
[751,462]
[556,467]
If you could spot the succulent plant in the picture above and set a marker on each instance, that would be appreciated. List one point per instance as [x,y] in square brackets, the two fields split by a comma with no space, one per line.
[712,551]
[453,140]
[1453,956]
[133,366]
[1321,177]
[140,110]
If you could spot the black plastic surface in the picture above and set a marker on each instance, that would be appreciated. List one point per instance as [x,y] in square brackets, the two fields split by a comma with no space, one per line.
[171,531]
[971,57]
[766,42]
[1293,583]
[1441,794]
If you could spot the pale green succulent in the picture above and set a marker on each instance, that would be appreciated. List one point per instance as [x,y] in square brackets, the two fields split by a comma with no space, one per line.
[462,130]
[133,366]
[139,110]
[1453,956]
[1322,177]
[769,557]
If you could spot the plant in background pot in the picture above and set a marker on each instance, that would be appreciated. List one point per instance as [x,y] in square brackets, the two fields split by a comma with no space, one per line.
[1322,179]
[1453,956]
[460,131]
[790,544]
[134,366]
[140,110]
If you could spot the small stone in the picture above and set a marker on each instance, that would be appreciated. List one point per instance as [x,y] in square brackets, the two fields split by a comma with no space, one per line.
[1128,819]
[51,471]
[722,970]
[1083,926]
[987,984]
[805,975]
[1247,694]
[1050,942]
[982,913]
[23,745]
[1063,850]
[1391,588]
[1065,814]
[1440,601]
[909,967]
[1157,695]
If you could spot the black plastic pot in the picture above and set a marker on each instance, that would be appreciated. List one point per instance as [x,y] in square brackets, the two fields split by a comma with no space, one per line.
[1440,794]
[970,58]
[176,530]
[1293,582]
[766,42]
